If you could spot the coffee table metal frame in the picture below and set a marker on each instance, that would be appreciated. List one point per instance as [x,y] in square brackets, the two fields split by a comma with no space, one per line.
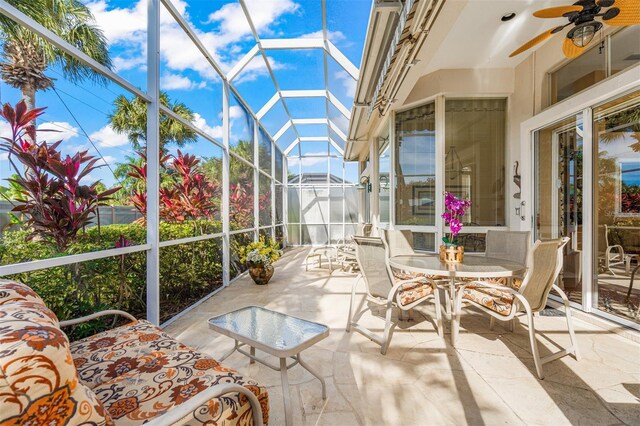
[293,353]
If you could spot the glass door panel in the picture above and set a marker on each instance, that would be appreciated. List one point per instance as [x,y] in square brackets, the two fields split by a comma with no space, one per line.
[558,202]
[616,237]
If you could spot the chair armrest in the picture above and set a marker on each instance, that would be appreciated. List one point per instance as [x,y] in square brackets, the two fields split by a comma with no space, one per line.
[97,315]
[177,413]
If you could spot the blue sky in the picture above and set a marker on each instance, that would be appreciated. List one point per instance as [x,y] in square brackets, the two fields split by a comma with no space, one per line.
[76,109]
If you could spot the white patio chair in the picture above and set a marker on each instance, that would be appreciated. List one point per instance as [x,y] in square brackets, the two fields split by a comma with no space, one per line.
[609,255]
[508,245]
[400,242]
[503,303]
[384,289]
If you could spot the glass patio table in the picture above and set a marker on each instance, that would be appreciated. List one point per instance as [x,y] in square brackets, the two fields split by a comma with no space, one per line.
[281,335]
[473,266]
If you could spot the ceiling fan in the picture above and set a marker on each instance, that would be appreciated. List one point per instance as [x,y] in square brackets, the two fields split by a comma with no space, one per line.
[582,15]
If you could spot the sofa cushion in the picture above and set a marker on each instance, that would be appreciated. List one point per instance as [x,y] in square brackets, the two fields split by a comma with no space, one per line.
[13,291]
[153,388]
[38,382]
[107,355]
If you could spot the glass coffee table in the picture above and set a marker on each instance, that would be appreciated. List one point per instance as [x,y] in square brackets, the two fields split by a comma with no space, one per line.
[274,333]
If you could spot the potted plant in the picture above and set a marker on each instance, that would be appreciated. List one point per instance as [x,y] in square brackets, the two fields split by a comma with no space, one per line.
[259,257]
[455,208]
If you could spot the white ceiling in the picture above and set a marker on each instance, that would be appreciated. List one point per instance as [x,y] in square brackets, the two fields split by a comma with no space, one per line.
[477,38]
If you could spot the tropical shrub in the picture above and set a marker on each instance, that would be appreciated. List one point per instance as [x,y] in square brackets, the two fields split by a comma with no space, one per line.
[186,193]
[188,272]
[57,204]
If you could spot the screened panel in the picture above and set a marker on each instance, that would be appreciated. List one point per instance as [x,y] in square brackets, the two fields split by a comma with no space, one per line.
[315,205]
[288,65]
[274,119]
[264,200]
[264,151]
[254,83]
[312,107]
[241,210]
[240,129]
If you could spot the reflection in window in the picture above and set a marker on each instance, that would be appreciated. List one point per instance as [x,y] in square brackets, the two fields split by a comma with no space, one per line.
[415,165]
[474,160]
[616,134]
[591,67]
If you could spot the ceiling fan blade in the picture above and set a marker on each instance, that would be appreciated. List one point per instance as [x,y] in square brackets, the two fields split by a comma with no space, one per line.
[629,13]
[537,39]
[556,12]
[605,3]
[570,50]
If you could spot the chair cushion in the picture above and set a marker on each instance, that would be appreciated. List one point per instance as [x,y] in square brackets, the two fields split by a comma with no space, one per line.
[107,355]
[497,300]
[412,292]
[38,382]
[172,378]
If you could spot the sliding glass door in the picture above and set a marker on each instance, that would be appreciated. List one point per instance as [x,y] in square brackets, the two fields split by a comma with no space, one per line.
[593,169]
[558,199]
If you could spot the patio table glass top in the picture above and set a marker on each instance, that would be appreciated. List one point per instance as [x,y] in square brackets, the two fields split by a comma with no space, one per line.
[473,266]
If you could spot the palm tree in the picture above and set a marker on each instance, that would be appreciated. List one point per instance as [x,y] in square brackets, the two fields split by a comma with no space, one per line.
[27,56]
[130,118]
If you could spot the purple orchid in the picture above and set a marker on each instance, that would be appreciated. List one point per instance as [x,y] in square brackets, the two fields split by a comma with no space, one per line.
[455,210]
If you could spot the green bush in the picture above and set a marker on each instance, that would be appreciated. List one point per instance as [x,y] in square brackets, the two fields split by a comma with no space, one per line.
[188,271]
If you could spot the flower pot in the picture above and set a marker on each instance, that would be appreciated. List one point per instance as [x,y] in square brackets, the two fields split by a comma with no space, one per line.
[451,254]
[261,274]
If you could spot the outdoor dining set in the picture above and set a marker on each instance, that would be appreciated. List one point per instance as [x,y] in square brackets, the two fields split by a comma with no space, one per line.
[511,279]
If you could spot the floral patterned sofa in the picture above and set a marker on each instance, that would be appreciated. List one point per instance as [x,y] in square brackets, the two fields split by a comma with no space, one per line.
[129,375]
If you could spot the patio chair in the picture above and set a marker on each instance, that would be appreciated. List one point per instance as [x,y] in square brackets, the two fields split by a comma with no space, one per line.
[400,242]
[504,303]
[508,245]
[609,255]
[384,289]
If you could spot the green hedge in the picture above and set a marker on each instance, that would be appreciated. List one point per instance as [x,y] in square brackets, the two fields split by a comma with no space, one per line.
[188,271]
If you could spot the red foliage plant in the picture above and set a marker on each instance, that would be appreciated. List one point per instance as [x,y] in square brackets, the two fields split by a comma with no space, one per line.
[55,201]
[189,194]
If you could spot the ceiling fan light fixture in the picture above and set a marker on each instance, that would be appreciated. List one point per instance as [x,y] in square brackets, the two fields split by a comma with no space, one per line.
[582,34]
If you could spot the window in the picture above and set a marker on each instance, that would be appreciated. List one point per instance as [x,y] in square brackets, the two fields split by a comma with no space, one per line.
[385,172]
[415,166]
[592,66]
[474,159]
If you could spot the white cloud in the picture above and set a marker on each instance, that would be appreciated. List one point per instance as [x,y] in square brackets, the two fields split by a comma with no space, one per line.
[333,36]
[347,81]
[201,123]
[4,156]
[235,111]
[126,27]
[263,14]
[106,137]
[179,82]
[107,159]
[52,131]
